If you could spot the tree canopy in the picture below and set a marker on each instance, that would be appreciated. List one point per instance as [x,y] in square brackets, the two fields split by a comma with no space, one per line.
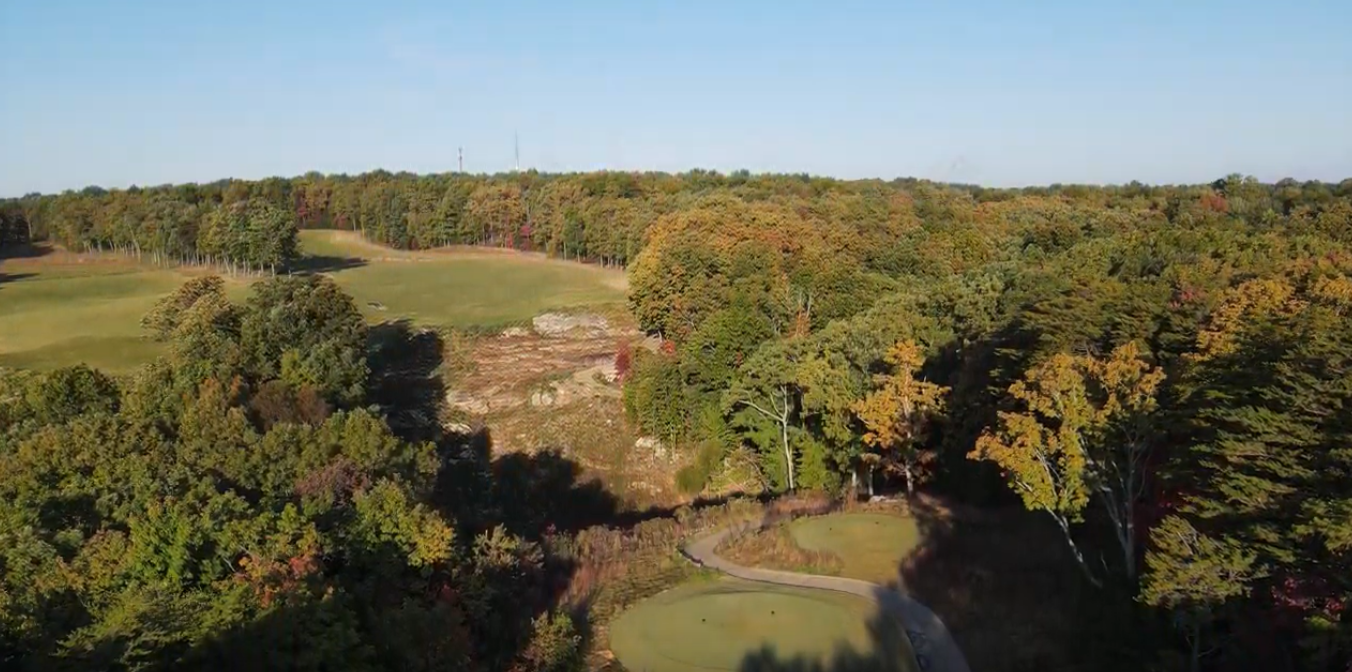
[1159,371]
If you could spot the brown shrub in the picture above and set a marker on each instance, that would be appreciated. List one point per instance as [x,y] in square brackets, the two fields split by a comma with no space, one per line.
[774,548]
[624,360]
[276,402]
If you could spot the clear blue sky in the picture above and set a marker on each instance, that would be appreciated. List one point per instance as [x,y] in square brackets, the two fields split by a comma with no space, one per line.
[1002,93]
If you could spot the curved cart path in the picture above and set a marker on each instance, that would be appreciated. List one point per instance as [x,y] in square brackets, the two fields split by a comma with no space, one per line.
[935,649]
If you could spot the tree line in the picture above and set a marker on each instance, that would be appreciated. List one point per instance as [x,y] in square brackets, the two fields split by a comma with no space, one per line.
[604,217]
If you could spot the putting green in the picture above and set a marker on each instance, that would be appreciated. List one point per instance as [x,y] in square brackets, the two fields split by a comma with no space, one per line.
[870,545]
[714,625]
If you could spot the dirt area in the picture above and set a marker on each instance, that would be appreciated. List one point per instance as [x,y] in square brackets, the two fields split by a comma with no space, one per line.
[554,385]
[562,359]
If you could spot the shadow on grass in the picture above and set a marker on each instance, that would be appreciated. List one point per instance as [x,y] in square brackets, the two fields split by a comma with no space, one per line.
[325,264]
[21,251]
[11,277]
[1010,593]
[24,251]
[889,651]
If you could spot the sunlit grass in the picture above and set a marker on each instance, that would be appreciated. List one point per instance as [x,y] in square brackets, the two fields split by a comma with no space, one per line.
[61,309]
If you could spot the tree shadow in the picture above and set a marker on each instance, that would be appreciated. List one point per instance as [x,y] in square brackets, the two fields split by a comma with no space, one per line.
[530,495]
[889,649]
[1008,590]
[24,251]
[11,277]
[308,264]
[405,381]
[21,251]
[969,372]
[545,491]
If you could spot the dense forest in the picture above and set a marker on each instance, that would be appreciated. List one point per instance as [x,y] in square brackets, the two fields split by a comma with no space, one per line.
[1162,374]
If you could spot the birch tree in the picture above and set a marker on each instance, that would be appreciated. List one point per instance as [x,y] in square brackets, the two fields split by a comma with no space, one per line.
[765,393]
[1081,432]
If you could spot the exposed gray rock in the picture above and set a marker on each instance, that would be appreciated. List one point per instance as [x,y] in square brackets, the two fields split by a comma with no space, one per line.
[559,324]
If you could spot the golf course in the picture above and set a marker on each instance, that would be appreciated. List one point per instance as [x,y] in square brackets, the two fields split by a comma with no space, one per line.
[714,625]
[870,545]
[58,308]
[757,616]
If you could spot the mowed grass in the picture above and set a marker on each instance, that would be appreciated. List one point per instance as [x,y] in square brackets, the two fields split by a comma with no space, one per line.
[58,309]
[61,309]
[716,625]
[870,546]
[460,287]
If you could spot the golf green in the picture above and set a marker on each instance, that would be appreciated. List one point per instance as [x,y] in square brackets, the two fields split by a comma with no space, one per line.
[714,625]
[871,546]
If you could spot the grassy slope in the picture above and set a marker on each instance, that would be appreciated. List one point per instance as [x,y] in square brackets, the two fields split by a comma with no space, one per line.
[462,288]
[714,625]
[61,309]
[870,545]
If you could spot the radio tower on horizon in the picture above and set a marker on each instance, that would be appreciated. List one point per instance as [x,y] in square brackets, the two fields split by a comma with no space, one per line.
[516,149]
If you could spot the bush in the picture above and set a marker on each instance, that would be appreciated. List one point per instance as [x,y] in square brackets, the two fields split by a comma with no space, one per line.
[774,548]
[692,478]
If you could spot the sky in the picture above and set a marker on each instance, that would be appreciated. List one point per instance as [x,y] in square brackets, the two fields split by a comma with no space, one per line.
[116,93]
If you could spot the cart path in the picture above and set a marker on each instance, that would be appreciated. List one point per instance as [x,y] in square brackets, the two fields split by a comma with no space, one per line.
[935,650]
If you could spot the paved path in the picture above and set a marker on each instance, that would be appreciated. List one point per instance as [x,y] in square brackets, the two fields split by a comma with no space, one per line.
[935,650]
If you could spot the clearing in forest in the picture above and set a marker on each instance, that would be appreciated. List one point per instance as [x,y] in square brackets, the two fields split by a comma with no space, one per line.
[460,286]
[719,625]
[59,308]
[871,546]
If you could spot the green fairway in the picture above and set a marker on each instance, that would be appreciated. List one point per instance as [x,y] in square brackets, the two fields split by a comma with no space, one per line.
[460,288]
[57,312]
[871,545]
[60,309]
[714,625]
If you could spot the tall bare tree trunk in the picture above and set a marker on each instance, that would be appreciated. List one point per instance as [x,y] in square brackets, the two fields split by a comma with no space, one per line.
[784,435]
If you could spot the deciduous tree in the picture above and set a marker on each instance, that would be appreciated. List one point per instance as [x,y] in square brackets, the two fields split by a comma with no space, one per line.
[898,413]
[1082,430]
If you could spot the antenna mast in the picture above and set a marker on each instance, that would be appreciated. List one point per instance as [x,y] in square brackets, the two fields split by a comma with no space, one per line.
[460,155]
[516,148]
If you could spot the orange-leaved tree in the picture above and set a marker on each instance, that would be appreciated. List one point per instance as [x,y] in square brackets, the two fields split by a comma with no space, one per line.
[898,414]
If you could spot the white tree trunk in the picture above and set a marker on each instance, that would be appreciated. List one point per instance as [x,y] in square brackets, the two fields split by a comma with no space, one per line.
[1075,549]
[784,435]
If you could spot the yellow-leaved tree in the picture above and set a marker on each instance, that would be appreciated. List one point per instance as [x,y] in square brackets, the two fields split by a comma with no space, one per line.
[1083,431]
[897,415]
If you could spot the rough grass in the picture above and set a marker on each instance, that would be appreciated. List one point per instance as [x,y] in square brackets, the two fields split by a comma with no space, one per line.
[715,625]
[58,308]
[871,546]
[775,548]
